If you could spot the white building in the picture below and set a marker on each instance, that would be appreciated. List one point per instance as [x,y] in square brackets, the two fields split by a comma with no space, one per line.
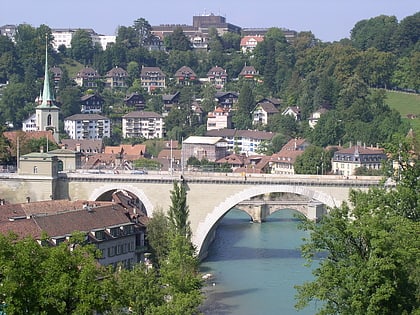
[63,36]
[220,118]
[87,126]
[29,124]
[143,124]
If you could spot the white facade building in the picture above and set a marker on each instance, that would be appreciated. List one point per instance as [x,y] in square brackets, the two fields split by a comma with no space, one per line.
[29,124]
[143,124]
[87,126]
[63,36]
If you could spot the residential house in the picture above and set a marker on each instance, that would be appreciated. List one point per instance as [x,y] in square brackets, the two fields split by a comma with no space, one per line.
[346,161]
[29,124]
[170,159]
[116,228]
[91,104]
[85,146]
[315,116]
[248,43]
[226,99]
[217,76]
[233,160]
[275,101]
[87,77]
[116,78]
[116,158]
[185,76]
[87,126]
[254,164]
[283,161]
[135,100]
[148,125]
[152,78]
[263,112]
[293,111]
[209,148]
[248,73]
[242,141]
[220,118]
[170,100]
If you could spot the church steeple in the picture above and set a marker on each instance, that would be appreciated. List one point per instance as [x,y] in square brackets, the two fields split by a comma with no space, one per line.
[47,113]
[46,101]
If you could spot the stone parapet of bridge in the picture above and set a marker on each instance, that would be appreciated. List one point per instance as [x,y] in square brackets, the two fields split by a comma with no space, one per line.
[210,196]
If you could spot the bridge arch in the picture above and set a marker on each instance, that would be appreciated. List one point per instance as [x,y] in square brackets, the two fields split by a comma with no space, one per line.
[103,189]
[200,238]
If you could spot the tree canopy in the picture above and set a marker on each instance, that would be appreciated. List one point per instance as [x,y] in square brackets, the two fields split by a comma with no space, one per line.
[367,252]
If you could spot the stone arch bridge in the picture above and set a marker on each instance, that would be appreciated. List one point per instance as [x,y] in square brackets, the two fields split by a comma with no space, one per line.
[209,196]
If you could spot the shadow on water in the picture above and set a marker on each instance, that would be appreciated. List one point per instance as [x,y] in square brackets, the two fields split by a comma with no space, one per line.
[239,253]
[213,304]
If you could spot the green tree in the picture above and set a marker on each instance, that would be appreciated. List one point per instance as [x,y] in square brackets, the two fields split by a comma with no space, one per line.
[314,160]
[158,237]
[179,211]
[82,48]
[246,103]
[378,32]
[370,253]
[143,31]
[178,40]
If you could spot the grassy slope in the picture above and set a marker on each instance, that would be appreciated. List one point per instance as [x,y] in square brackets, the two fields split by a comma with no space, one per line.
[406,104]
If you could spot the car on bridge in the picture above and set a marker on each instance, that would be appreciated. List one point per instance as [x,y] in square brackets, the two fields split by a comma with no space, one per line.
[139,172]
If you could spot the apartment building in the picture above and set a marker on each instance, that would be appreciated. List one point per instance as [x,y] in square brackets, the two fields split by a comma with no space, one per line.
[143,124]
[87,126]
[152,78]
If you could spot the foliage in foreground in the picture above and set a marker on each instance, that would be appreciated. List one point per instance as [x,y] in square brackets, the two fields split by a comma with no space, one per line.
[370,253]
[67,279]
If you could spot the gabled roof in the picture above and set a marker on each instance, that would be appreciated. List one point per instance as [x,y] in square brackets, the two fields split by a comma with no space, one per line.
[185,71]
[217,70]
[233,159]
[360,150]
[87,72]
[86,145]
[246,39]
[267,107]
[248,70]
[146,70]
[128,149]
[13,135]
[90,96]
[275,101]
[117,72]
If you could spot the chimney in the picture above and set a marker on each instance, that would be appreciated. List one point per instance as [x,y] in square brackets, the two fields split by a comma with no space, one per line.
[78,147]
[28,199]
[2,202]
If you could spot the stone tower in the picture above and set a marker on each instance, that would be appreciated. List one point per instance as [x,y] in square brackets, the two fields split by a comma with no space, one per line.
[47,112]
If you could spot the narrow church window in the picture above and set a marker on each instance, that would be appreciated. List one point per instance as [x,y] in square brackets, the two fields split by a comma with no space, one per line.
[49,120]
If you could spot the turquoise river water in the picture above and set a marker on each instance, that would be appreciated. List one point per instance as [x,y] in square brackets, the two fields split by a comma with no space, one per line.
[255,266]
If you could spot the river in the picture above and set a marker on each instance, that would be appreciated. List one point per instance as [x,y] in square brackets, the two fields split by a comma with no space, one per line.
[255,266]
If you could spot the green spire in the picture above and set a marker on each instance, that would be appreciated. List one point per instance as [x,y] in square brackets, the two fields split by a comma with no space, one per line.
[47,99]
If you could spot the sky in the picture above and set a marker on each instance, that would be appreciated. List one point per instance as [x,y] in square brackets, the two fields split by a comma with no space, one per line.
[328,20]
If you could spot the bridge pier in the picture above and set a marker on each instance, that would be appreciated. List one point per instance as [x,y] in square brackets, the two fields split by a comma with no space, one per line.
[258,213]
[315,211]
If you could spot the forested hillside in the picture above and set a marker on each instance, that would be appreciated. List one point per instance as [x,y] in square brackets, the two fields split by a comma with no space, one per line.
[382,53]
